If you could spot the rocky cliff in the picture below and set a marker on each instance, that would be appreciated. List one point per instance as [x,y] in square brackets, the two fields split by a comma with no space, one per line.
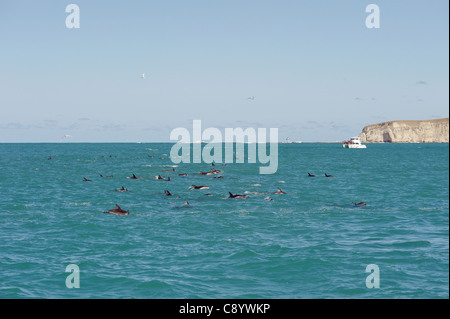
[427,131]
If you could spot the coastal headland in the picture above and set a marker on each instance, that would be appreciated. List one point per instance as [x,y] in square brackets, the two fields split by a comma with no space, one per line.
[424,131]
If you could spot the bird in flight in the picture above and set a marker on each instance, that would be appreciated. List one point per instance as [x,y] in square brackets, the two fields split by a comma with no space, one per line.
[143,76]
[65,136]
[251,98]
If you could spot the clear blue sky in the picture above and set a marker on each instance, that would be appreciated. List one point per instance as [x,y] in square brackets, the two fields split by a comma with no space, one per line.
[316,71]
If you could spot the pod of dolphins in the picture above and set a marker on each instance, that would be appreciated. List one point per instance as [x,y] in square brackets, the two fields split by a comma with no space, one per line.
[119,211]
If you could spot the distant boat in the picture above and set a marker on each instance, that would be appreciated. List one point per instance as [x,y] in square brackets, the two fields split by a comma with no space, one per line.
[354,142]
[288,141]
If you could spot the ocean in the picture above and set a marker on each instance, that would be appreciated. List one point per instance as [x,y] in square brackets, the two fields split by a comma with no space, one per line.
[312,242]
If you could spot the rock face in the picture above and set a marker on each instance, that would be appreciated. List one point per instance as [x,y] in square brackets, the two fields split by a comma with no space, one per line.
[427,131]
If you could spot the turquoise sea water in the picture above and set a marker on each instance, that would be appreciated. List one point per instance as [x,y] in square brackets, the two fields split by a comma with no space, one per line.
[309,243]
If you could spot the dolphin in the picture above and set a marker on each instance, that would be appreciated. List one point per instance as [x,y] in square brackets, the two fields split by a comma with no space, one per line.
[326,175]
[211,172]
[167,193]
[237,196]
[311,175]
[162,178]
[169,170]
[86,180]
[118,211]
[184,206]
[182,174]
[279,191]
[123,189]
[133,177]
[360,204]
[198,187]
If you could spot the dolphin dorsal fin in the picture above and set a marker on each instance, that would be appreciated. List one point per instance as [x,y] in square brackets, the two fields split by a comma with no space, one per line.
[186,202]
[117,206]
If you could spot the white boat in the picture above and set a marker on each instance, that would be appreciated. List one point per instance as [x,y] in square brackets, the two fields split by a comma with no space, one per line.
[354,142]
[288,141]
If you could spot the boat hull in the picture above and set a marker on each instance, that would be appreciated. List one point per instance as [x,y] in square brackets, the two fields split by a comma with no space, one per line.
[353,146]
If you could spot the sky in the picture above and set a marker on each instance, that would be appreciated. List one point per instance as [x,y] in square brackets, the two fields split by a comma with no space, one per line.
[315,70]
